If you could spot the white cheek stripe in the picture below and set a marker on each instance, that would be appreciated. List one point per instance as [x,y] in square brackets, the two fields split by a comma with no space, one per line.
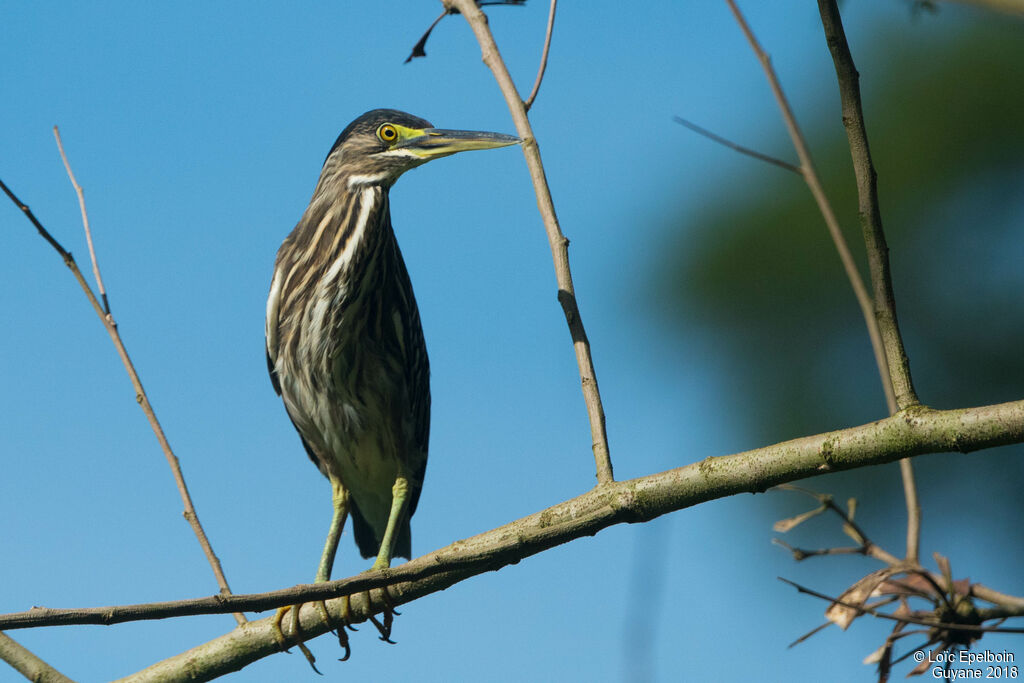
[409,154]
[371,179]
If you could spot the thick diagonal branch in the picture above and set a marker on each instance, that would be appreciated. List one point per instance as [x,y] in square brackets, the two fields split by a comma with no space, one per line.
[909,433]
[27,664]
[906,434]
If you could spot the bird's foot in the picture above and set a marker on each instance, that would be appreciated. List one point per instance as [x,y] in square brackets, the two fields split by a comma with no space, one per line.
[296,631]
[338,627]
[388,615]
[346,625]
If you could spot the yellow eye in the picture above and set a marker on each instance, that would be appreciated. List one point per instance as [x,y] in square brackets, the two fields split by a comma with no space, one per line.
[387,133]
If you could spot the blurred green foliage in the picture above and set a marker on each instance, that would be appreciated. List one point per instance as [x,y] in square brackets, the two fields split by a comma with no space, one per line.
[755,274]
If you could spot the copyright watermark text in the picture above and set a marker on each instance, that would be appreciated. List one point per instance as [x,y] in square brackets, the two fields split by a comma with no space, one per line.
[986,664]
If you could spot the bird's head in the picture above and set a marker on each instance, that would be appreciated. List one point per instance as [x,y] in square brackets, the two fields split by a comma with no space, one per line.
[383,144]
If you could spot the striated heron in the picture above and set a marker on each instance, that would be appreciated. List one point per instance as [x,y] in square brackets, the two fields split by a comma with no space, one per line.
[345,346]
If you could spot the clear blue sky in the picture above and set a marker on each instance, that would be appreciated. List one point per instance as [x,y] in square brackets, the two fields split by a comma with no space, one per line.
[198,131]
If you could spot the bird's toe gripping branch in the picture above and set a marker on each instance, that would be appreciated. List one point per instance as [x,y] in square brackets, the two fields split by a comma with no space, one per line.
[338,627]
[296,630]
[388,615]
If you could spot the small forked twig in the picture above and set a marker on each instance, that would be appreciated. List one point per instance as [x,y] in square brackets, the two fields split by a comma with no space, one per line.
[420,48]
[110,325]
[85,222]
[143,400]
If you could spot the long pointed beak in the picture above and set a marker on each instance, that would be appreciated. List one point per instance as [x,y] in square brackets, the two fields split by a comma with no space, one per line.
[439,142]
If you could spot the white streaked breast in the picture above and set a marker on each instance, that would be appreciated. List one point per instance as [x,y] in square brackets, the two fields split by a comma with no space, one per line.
[367,202]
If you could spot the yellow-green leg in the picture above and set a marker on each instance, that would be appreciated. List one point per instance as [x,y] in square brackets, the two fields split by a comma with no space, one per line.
[399,500]
[399,503]
[339,500]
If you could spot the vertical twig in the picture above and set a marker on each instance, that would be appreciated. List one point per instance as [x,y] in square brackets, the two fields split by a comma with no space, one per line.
[874,240]
[559,244]
[810,175]
[867,192]
[913,510]
[543,57]
[85,222]
[27,664]
[140,394]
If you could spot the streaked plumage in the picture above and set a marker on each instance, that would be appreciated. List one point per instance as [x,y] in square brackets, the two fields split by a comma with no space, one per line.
[345,347]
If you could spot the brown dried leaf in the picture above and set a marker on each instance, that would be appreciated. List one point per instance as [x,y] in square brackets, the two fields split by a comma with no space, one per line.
[842,615]
[910,585]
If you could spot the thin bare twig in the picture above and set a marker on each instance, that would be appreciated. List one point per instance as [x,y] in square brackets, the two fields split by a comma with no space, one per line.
[814,184]
[543,57]
[631,501]
[877,249]
[140,394]
[739,148]
[43,232]
[995,597]
[85,222]
[913,510]
[800,554]
[867,547]
[905,618]
[28,664]
[420,48]
[867,191]
[559,244]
